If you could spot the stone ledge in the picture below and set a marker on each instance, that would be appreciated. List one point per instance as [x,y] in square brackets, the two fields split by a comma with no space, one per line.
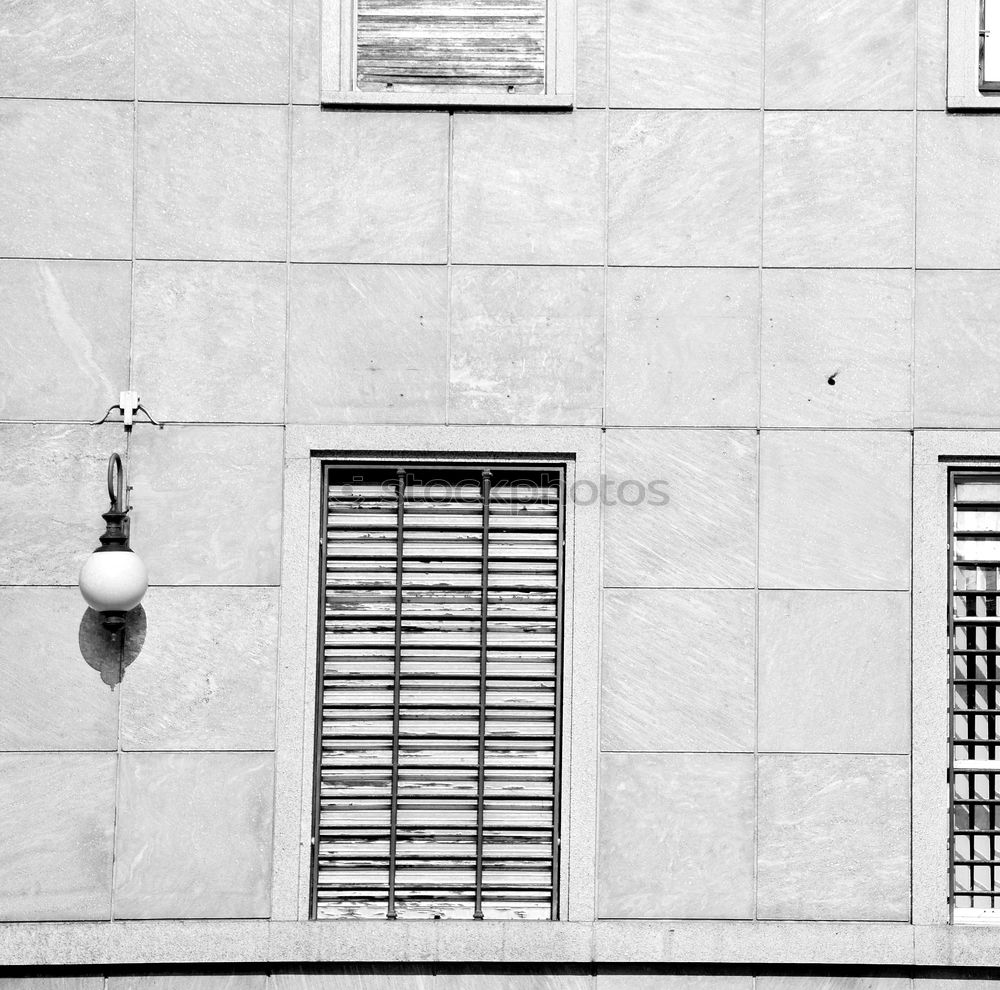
[727,942]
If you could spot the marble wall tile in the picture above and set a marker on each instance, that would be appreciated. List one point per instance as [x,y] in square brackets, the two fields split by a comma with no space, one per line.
[56,660]
[368,344]
[683,347]
[235,51]
[207,503]
[835,510]
[958,198]
[671,981]
[211,182]
[960,980]
[661,61]
[194,835]
[61,872]
[678,671]
[52,982]
[511,981]
[529,189]
[830,982]
[53,489]
[838,190]
[932,54]
[64,345]
[67,188]
[305,51]
[833,838]
[356,978]
[80,51]
[696,527]
[834,672]
[369,186]
[204,676]
[957,343]
[189,981]
[684,188]
[527,345]
[591,53]
[209,340]
[664,851]
[844,56]
[853,325]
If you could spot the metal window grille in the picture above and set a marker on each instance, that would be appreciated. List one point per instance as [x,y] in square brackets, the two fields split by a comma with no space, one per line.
[974,568]
[439,691]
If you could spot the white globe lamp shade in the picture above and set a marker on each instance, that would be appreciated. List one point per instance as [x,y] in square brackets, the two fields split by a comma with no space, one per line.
[113,580]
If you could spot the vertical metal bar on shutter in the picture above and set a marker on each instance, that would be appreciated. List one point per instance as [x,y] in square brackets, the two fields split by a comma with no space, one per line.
[557,754]
[484,606]
[397,666]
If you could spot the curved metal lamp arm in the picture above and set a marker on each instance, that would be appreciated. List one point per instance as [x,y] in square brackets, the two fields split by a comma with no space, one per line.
[116,473]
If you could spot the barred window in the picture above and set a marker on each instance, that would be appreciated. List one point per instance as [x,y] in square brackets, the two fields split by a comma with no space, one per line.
[974,566]
[439,691]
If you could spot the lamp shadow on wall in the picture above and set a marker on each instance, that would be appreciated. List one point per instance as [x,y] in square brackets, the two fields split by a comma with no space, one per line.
[104,652]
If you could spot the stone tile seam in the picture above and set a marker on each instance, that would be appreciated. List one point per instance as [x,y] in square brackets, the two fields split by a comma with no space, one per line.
[492,264]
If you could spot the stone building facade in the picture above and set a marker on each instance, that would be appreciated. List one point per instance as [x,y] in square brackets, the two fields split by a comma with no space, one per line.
[757,261]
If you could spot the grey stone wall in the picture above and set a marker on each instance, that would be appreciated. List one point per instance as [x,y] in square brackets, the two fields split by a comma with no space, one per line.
[752,198]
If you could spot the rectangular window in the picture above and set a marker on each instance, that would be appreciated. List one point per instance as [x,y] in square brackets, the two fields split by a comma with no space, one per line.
[439,691]
[497,53]
[974,566]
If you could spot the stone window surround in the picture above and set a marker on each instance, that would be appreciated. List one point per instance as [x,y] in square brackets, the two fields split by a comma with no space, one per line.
[305,448]
[963,59]
[934,452]
[337,67]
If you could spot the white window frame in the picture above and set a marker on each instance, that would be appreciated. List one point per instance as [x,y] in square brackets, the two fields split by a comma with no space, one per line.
[964,18]
[338,80]
[934,453]
[305,449]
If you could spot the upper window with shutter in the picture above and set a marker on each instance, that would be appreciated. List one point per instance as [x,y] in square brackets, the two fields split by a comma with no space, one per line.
[449,52]
[974,55]
[438,750]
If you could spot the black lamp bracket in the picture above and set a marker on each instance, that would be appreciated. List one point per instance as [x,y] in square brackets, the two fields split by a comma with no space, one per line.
[115,535]
[129,405]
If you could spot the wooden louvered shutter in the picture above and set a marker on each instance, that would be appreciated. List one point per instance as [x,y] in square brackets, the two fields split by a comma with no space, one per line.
[488,46]
[438,748]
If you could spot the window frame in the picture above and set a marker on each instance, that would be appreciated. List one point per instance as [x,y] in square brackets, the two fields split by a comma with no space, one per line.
[306,447]
[338,77]
[937,453]
[965,59]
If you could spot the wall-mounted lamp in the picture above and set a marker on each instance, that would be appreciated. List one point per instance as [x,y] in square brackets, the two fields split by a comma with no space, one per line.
[113,579]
